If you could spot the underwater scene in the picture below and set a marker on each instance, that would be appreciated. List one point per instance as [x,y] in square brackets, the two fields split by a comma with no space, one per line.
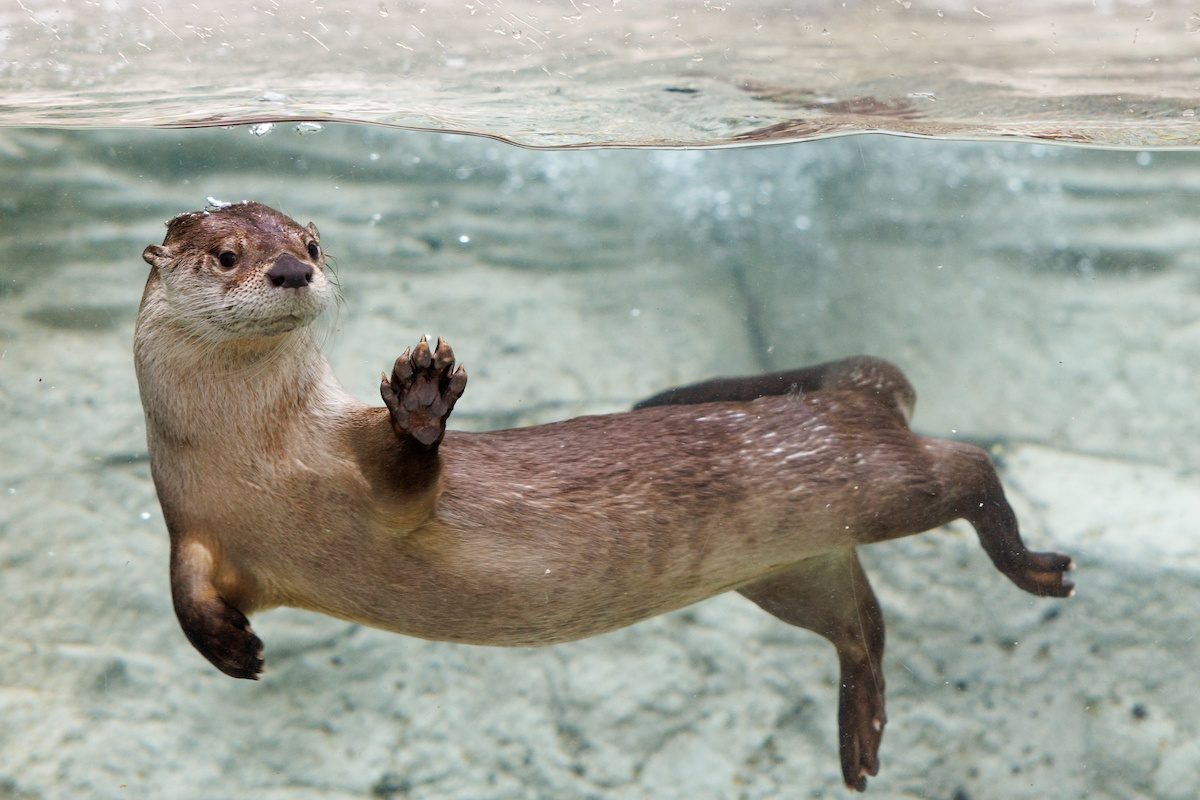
[1041,300]
[595,204]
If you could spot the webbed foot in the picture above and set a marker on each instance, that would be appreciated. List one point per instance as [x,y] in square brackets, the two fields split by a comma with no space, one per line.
[1042,574]
[860,722]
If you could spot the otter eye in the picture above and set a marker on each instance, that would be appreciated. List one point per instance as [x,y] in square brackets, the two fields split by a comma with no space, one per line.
[227,259]
[313,250]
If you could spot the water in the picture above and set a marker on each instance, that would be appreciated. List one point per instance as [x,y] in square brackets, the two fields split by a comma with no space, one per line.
[654,72]
[1042,299]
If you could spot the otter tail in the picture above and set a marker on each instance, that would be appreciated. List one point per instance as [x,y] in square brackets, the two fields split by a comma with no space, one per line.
[860,373]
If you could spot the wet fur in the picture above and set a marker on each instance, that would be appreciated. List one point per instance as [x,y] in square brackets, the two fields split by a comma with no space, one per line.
[279,488]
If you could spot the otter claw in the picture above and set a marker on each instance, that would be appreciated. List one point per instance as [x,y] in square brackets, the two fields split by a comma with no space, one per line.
[403,368]
[443,356]
[420,356]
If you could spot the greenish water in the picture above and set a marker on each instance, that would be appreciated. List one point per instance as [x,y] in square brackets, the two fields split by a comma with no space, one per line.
[1043,301]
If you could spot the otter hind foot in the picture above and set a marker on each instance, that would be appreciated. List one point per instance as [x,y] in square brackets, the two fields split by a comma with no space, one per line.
[1041,574]
[860,722]
[967,487]
[422,391]
[830,595]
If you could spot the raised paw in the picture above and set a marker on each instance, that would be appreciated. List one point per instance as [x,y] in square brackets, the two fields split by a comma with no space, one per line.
[860,723]
[222,635]
[422,391]
[1043,574]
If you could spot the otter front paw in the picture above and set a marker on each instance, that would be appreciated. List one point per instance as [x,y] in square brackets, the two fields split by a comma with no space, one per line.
[222,635]
[422,391]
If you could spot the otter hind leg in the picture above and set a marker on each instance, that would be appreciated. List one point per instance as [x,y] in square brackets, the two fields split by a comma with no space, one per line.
[873,376]
[830,595]
[968,488]
[218,630]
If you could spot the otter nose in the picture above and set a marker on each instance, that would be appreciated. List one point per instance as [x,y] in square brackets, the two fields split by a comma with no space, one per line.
[289,272]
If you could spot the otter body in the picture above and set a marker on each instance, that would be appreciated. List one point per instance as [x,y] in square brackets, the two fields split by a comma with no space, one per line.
[278,488]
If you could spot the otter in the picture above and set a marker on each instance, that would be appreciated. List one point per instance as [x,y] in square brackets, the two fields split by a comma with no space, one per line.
[280,489]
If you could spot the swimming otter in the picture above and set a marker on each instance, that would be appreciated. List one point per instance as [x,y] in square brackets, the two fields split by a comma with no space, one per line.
[278,488]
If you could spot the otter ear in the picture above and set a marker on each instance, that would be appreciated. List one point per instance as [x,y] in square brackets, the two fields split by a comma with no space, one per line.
[313,230]
[156,255]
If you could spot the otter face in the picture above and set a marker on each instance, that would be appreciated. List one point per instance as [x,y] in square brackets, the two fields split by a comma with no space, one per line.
[241,271]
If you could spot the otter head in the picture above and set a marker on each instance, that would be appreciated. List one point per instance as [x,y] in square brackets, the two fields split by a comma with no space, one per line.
[240,271]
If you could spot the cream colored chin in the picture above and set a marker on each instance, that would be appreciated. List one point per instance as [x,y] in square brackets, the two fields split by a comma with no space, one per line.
[282,315]
[285,324]
[253,327]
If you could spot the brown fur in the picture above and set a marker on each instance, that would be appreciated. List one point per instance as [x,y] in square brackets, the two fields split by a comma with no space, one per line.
[280,489]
